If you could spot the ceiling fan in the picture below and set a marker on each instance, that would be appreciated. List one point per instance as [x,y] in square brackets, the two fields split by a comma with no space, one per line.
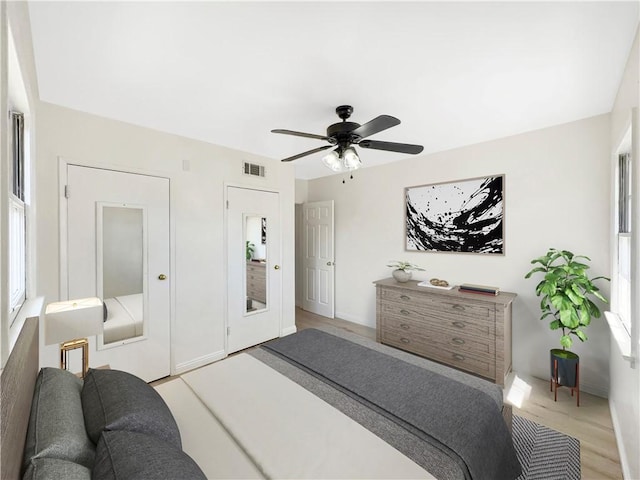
[345,135]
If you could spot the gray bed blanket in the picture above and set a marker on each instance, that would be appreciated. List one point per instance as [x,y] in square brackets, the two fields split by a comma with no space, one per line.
[455,417]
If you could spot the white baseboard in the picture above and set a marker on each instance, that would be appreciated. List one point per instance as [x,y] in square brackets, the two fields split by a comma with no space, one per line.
[353,319]
[199,362]
[597,390]
[288,331]
[624,461]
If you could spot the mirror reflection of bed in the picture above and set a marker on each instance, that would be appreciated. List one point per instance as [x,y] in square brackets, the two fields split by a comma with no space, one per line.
[123,317]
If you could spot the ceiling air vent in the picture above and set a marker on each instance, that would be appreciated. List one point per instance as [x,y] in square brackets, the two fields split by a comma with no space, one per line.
[253,169]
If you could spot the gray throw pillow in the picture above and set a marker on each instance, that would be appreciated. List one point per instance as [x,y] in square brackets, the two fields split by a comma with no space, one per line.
[55,469]
[117,400]
[56,424]
[123,455]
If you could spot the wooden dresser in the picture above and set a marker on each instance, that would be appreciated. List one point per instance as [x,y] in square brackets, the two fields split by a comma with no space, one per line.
[257,281]
[471,332]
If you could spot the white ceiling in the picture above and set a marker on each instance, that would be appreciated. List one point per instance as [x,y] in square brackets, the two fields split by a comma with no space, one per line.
[228,72]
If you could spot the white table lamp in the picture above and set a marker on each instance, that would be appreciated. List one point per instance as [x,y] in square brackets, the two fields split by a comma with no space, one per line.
[69,323]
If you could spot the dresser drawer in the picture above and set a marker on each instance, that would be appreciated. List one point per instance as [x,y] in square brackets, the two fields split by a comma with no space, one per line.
[478,364]
[456,340]
[256,277]
[256,284]
[256,270]
[482,327]
[453,306]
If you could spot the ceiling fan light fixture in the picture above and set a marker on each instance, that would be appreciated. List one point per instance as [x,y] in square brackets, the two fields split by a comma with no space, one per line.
[351,159]
[332,160]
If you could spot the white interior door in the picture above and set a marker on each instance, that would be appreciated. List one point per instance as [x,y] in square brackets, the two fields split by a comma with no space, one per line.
[118,250]
[318,258]
[254,280]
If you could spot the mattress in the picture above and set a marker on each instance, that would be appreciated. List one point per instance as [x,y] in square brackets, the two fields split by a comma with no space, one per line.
[203,437]
[288,432]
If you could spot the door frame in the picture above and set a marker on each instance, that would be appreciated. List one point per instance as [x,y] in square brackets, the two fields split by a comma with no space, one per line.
[63,256]
[226,186]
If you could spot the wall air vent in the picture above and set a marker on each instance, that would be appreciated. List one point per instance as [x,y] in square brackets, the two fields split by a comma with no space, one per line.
[253,169]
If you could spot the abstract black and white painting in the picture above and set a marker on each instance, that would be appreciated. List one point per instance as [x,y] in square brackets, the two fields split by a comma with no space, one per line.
[463,216]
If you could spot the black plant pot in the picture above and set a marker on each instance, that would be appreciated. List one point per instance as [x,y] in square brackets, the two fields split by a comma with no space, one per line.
[567,365]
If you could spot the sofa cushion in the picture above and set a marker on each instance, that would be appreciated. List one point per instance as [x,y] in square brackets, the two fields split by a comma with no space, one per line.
[56,423]
[54,469]
[117,400]
[123,455]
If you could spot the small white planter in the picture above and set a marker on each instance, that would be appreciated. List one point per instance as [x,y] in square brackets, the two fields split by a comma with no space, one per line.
[401,276]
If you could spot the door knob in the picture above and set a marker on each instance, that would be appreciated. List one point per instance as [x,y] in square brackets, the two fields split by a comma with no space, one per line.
[276,267]
[329,264]
[162,276]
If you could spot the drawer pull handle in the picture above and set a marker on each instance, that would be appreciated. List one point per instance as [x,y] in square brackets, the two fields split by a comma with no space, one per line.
[457,356]
[405,340]
[458,307]
[405,312]
[404,297]
[404,326]
[458,341]
[459,324]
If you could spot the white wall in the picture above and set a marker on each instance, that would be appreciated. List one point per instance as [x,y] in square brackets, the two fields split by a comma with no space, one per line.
[624,388]
[556,195]
[197,217]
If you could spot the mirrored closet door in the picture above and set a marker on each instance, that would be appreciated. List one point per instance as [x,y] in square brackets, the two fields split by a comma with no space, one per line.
[254,270]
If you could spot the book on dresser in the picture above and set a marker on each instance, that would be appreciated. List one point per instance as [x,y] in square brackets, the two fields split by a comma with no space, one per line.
[466,331]
[481,289]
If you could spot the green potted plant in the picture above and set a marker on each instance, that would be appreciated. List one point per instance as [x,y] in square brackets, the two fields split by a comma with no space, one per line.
[567,301]
[402,272]
[250,249]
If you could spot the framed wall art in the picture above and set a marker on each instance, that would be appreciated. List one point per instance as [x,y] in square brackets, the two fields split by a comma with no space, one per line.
[463,216]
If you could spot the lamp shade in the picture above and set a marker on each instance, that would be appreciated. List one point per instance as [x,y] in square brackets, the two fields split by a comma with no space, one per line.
[351,159]
[332,160]
[72,319]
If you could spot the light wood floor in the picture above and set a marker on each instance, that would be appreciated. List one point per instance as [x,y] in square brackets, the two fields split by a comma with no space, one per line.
[590,423]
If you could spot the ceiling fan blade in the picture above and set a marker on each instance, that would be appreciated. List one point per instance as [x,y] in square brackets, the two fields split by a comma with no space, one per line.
[391,146]
[376,125]
[300,134]
[304,154]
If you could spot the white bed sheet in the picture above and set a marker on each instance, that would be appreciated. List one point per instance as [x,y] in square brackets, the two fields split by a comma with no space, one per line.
[203,438]
[289,432]
[124,317]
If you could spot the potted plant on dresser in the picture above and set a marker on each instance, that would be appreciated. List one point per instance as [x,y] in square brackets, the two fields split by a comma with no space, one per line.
[567,301]
[402,270]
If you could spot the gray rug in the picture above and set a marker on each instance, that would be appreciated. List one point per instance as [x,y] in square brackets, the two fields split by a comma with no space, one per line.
[545,454]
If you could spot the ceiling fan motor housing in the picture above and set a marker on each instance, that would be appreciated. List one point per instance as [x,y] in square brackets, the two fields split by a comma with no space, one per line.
[341,132]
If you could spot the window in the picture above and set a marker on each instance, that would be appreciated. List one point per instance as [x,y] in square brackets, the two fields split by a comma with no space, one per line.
[17,216]
[624,240]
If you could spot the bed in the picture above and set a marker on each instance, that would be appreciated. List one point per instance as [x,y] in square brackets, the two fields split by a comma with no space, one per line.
[280,412]
[123,317]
